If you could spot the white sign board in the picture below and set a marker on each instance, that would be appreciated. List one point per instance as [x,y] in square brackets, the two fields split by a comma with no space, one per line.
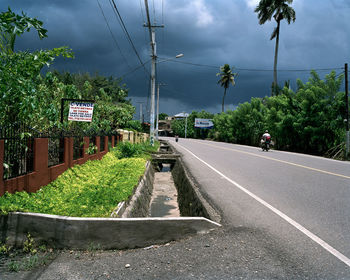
[81,111]
[203,123]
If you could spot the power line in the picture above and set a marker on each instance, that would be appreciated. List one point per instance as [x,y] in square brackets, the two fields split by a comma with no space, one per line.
[110,31]
[257,70]
[132,71]
[121,22]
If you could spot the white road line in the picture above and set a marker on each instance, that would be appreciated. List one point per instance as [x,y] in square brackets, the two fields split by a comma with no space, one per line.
[308,233]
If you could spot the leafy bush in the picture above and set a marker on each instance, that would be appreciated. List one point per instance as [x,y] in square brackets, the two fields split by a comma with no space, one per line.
[128,150]
[90,190]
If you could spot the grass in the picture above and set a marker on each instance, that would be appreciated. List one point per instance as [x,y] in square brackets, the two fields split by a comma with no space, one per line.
[93,189]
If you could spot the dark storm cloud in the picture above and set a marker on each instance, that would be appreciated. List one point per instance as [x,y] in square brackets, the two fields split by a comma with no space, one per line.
[206,31]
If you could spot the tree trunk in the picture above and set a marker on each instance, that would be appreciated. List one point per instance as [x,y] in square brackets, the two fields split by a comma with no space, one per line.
[274,90]
[223,101]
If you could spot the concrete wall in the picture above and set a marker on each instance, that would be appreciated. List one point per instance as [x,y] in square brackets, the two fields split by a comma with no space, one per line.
[103,233]
[190,199]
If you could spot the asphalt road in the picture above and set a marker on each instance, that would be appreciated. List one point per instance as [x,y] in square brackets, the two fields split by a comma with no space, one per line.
[300,202]
[285,216]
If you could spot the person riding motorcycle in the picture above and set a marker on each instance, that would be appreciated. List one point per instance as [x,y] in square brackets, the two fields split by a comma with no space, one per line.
[266,140]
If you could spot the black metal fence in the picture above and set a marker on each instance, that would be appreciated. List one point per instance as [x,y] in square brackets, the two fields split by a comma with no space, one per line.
[102,143]
[18,150]
[78,147]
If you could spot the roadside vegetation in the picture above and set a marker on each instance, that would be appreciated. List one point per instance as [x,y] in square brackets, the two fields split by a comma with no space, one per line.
[93,189]
[28,82]
[307,120]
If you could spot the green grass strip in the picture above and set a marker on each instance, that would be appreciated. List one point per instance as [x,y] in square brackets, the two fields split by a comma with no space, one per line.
[90,190]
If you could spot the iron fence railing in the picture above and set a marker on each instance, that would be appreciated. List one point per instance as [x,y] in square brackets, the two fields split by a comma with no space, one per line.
[55,151]
[18,156]
[102,143]
[78,147]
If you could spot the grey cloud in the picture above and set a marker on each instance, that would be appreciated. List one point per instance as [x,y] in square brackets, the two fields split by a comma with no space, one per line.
[319,38]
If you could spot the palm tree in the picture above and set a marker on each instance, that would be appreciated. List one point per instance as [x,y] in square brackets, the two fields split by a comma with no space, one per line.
[226,77]
[280,10]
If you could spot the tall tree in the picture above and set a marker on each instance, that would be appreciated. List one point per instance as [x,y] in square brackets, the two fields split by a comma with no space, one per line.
[226,77]
[13,25]
[280,10]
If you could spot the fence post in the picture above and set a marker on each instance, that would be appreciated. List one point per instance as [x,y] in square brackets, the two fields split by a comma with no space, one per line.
[2,184]
[41,161]
[98,144]
[86,146]
[70,151]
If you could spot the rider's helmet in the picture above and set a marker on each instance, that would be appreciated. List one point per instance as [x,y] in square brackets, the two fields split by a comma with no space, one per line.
[266,131]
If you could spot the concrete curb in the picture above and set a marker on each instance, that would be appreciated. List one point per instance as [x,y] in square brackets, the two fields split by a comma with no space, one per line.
[101,233]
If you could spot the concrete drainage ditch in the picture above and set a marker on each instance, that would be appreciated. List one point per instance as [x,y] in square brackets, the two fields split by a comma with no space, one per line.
[164,207]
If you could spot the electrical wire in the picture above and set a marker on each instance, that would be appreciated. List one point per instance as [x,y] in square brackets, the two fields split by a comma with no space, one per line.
[114,39]
[144,22]
[132,71]
[257,70]
[121,22]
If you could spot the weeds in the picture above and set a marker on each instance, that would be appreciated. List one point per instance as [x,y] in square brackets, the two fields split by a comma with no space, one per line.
[28,257]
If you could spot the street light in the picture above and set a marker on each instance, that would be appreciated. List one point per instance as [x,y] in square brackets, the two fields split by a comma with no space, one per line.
[171,58]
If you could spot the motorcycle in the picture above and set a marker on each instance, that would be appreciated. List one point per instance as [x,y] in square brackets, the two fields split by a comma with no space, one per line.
[265,144]
[176,138]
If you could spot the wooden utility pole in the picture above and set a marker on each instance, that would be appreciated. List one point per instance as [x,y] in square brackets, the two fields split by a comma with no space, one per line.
[152,35]
[157,122]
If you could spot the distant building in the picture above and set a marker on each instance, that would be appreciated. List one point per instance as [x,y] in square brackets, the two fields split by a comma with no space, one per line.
[164,127]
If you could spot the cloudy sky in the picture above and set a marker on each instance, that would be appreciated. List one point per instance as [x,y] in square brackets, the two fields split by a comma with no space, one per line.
[209,33]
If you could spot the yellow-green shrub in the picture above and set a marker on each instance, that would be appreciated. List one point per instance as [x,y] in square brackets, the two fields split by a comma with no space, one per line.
[90,190]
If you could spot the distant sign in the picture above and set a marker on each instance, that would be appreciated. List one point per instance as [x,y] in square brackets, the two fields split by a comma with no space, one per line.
[81,111]
[203,123]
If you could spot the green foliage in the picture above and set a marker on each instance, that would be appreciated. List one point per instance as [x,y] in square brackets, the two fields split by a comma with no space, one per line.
[309,120]
[24,91]
[5,249]
[227,77]
[29,245]
[12,25]
[162,116]
[128,150]
[92,149]
[90,190]
[134,125]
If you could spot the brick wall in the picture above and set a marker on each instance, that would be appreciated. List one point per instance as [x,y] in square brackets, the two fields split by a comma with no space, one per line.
[42,174]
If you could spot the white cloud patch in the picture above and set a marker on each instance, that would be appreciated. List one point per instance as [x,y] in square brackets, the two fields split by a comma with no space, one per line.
[252,3]
[203,15]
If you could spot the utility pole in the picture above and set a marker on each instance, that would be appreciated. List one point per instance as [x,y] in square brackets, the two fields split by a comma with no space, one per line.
[159,84]
[347,111]
[141,115]
[152,35]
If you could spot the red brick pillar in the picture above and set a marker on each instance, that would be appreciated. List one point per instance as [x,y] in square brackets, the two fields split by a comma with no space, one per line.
[86,146]
[98,144]
[2,184]
[69,154]
[41,176]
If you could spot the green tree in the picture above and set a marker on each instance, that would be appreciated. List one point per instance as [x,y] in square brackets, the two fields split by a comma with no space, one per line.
[280,10]
[13,25]
[226,77]
[162,116]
